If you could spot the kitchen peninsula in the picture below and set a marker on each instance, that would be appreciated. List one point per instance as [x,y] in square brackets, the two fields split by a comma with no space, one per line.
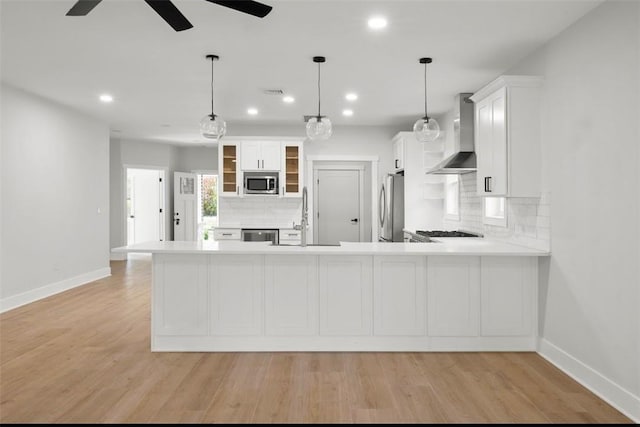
[450,295]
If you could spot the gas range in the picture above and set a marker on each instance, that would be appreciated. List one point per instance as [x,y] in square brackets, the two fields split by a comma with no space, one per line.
[421,236]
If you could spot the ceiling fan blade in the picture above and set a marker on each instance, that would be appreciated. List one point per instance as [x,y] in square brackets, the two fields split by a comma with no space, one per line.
[82,7]
[251,7]
[170,13]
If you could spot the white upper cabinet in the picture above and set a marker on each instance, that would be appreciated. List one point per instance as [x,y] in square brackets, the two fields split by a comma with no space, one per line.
[491,144]
[283,155]
[261,155]
[507,137]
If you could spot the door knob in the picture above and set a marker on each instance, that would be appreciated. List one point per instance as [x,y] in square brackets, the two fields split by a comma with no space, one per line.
[354,221]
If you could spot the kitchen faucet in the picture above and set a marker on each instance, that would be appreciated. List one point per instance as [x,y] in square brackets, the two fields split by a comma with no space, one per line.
[304,223]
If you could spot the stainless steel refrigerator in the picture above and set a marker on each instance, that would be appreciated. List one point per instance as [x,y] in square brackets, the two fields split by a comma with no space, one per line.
[391,206]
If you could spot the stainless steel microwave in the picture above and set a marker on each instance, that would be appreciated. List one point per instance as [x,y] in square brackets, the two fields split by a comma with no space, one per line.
[261,183]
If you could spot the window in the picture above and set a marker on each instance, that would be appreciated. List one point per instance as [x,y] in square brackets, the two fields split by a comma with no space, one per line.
[494,211]
[207,205]
[452,197]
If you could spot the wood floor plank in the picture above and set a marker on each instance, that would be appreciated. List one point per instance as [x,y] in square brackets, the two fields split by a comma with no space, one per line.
[83,356]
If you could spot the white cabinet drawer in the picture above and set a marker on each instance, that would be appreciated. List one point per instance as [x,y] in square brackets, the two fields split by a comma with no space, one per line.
[289,234]
[226,234]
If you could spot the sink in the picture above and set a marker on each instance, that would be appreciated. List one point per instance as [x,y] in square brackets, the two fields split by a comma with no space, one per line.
[310,244]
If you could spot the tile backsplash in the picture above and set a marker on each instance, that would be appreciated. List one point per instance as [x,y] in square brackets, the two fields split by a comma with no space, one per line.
[259,211]
[528,218]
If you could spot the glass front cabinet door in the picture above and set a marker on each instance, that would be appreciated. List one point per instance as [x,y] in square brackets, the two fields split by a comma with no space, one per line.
[230,179]
[292,165]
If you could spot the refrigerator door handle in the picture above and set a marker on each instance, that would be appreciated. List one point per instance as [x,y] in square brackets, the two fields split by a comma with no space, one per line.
[383,205]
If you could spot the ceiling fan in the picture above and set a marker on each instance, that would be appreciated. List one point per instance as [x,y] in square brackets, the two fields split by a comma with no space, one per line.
[170,13]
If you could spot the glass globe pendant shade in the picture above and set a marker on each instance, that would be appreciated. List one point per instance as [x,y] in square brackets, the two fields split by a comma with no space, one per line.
[213,126]
[426,129]
[319,128]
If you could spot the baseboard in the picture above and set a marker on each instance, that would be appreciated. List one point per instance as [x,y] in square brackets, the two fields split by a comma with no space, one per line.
[16,301]
[118,256]
[612,393]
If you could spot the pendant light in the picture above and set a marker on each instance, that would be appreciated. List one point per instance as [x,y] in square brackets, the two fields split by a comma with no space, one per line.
[211,125]
[319,127]
[426,129]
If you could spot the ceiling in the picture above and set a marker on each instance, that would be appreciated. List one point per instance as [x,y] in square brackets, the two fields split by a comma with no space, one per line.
[160,79]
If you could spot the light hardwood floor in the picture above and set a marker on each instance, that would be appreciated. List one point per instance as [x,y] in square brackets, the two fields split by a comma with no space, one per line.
[83,356]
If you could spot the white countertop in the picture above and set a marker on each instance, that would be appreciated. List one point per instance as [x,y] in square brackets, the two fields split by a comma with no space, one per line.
[439,246]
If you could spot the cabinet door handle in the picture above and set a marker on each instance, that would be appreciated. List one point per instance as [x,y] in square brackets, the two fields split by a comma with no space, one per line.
[396,163]
[283,191]
[258,164]
[238,190]
[488,184]
[227,234]
[263,164]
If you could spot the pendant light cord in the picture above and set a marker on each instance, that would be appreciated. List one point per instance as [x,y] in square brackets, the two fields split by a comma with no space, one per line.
[425,92]
[212,114]
[318,91]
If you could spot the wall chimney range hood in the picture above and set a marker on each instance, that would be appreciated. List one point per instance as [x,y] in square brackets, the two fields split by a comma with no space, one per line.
[464,161]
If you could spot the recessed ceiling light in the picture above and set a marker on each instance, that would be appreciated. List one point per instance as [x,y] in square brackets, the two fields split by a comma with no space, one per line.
[347,113]
[105,97]
[351,96]
[288,99]
[377,22]
[252,111]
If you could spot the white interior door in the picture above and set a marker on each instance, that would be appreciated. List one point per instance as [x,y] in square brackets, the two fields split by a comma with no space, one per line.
[338,207]
[184,206]
[144,205]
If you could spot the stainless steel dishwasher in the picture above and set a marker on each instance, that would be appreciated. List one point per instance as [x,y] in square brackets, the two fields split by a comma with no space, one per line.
[260,235]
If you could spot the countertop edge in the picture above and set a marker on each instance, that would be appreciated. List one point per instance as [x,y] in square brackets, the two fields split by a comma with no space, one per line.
[503,249]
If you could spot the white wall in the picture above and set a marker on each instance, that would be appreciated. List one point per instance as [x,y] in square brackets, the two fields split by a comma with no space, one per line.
[190,159]
[590,288]
[55,196]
